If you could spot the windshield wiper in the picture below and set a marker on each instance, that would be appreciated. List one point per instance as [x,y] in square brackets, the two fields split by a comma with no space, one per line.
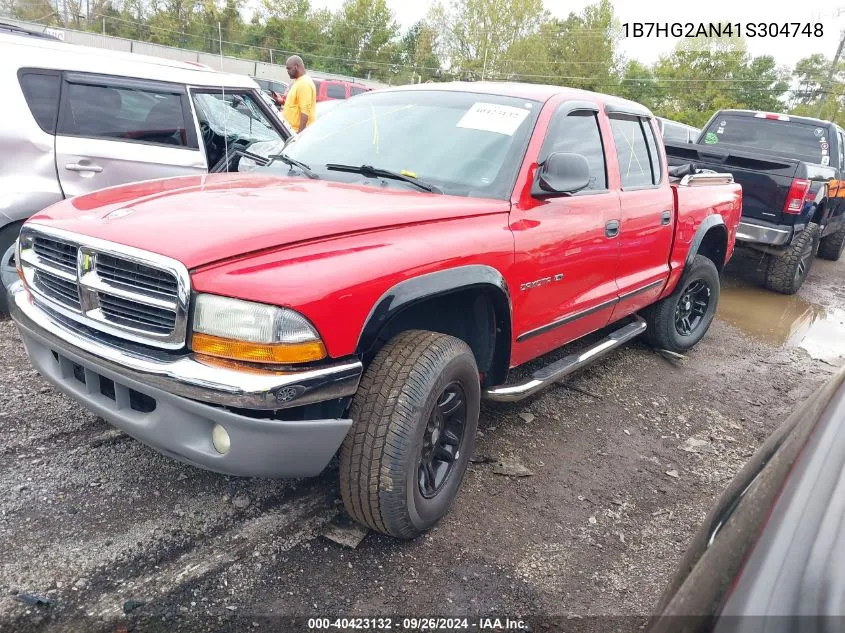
[377,172]
[223,166]
[303,167]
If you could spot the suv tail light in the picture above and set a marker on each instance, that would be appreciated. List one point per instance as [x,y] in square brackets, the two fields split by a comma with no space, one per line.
[796,196]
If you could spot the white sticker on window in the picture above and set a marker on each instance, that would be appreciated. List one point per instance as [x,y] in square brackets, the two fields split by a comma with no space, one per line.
[825,160]
[491,117]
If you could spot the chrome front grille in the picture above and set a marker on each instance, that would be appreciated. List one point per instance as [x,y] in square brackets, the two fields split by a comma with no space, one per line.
[134,275]
[120,290]
[59,254]
[64,291]
[136,315]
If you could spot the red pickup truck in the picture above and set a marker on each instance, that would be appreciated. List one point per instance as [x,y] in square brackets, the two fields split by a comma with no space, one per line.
[364,289]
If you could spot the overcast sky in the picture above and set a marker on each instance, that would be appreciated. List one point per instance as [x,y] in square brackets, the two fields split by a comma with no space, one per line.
[785,50]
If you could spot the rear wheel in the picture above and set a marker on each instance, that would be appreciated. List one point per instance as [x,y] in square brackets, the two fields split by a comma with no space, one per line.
[414,421]
[787,272]
[678,322]
[8,272]
[831,246]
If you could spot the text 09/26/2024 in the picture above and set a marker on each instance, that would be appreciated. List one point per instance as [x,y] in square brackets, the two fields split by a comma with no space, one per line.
[417,624]
[727,29]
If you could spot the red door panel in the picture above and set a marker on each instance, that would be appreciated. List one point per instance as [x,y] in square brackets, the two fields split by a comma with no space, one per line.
[565,267]
[564,272]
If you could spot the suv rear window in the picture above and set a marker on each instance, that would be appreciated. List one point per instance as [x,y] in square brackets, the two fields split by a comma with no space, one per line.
[41,91]
[127,114]
[673,132]
[804,141]
[336,91]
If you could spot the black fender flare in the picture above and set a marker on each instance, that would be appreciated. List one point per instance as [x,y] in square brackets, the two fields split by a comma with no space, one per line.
[438,283]
[709,222]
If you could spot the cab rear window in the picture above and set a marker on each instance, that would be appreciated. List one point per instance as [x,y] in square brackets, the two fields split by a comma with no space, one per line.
[804,141]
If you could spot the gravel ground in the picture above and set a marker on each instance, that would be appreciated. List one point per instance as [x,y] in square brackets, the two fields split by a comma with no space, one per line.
[619,467]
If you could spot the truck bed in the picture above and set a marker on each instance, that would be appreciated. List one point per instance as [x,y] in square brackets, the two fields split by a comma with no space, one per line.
[765,178]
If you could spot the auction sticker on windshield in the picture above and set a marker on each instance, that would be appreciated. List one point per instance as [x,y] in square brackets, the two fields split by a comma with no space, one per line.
[490,117]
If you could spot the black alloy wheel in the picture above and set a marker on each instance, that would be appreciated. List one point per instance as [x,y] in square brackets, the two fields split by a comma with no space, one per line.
[443,435]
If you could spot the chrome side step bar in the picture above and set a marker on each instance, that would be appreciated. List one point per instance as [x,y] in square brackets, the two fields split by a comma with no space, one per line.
[567,365]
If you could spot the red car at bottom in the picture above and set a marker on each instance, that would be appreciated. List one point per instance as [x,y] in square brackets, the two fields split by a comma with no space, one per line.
[363,290]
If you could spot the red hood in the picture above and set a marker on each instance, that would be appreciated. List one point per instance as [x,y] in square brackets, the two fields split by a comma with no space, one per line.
[201,219]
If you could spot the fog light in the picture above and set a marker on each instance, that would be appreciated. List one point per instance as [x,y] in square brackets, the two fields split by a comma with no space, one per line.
[220,439]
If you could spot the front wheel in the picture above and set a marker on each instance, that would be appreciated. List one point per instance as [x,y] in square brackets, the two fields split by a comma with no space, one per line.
[678,322]
[414,415]
[8,272]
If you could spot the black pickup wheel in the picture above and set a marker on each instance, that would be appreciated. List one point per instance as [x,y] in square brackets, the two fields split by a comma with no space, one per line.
[414,421]
[678,322]
[786,273]
[831,246]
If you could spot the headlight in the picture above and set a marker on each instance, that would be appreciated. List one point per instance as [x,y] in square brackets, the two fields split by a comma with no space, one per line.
[254,332]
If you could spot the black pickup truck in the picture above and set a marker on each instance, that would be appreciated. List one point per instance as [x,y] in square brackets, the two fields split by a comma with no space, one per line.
[791,172]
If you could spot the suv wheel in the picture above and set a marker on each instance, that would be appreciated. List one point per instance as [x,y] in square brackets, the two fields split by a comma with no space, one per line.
[8,272]
[678,322]
[414,421]
[787,272]
[831,246]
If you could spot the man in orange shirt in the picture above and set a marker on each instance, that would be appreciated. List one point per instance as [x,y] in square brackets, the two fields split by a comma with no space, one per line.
[301,100]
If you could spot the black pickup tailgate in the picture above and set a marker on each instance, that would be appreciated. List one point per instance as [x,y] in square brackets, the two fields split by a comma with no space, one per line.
[765,178]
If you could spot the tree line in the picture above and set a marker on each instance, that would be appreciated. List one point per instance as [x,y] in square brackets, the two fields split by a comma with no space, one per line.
[516,40]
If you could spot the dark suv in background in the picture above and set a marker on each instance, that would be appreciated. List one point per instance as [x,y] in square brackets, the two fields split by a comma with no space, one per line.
[790,169]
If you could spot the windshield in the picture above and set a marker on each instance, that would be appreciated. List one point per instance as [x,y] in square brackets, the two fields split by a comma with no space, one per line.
[235,116]
[463,143]
[805,141]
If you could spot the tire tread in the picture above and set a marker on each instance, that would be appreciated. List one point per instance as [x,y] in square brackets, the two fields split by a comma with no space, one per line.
[780,272]
[374,453]
[830,246]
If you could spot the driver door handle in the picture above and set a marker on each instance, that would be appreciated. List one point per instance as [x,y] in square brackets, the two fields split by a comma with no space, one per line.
[666,218]
[611,229]
[79,167]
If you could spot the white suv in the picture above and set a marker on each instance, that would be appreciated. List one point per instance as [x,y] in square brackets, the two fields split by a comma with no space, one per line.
[77,119]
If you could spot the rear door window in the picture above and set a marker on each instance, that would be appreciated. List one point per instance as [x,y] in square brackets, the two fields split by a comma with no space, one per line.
[41,91]
[336,91]
[124,113]
[634,152]
[797,139]
[357,91]
[654,158]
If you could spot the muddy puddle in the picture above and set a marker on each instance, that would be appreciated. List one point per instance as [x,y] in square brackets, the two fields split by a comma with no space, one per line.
[787,321]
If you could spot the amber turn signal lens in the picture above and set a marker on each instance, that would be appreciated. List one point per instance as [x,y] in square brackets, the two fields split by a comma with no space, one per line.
[278,353]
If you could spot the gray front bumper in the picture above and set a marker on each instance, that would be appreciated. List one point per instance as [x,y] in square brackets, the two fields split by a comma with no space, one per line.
[177,426]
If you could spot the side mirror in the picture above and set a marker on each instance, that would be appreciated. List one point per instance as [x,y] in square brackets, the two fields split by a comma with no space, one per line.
[561,174]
